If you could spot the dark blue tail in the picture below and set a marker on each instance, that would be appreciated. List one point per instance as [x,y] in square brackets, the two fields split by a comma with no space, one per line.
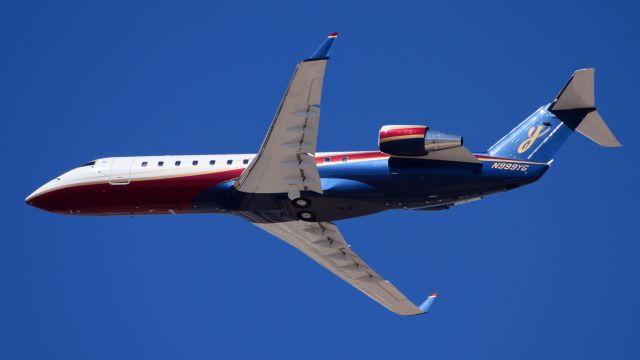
[540,135]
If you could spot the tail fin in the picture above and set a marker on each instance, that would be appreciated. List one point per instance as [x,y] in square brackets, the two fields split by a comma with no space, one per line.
[578,96]
[540,135]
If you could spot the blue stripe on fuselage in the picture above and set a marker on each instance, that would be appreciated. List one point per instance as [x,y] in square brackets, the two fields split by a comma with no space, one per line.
[362,187]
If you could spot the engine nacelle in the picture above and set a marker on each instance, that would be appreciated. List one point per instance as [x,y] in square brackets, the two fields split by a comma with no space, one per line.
[414,140]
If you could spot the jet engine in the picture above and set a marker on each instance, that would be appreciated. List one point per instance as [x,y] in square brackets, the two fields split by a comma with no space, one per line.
[414,140]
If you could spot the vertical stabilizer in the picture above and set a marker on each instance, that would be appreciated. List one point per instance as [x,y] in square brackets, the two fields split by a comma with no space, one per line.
[539,136]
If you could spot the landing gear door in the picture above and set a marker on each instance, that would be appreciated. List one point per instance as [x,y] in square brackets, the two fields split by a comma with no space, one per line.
[120,173]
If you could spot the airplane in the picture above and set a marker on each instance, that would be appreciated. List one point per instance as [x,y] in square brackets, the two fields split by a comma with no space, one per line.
[295,193]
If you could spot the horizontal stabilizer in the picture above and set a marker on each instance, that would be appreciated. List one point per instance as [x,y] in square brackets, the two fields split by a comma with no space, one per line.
[576,106]
[577,93]
[594,128]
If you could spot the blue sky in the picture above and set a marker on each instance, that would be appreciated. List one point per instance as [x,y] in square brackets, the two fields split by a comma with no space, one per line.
[547,271]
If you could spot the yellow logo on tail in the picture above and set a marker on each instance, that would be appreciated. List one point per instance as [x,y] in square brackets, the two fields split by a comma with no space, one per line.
[534,134]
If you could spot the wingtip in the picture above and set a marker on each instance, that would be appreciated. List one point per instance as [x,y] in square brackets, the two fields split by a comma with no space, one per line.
[586,69]
[322,53]
[426,305]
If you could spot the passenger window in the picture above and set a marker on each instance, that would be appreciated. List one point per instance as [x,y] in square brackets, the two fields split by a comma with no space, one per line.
[160,163]
[194,163]
[212,162]
[327,159]
[245,161]
[178,163]
[229,162]
[345,158]
[144,164]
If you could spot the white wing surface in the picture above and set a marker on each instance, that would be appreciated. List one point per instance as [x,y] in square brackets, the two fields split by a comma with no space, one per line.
[323,242]
[285,162]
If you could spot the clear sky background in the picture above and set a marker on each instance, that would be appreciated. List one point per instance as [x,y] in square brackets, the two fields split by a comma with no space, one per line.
[547,271]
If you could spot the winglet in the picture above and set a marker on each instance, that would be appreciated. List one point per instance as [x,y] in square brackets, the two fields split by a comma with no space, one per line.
[322,52]
[427,303]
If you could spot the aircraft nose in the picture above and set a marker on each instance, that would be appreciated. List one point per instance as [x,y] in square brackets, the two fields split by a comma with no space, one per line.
[42,197]
[35,199]
[30,200]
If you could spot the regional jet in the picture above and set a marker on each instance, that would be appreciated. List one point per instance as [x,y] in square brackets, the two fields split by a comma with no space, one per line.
[296,193]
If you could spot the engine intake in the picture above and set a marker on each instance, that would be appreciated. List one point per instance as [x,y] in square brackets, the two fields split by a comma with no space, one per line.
[414,140]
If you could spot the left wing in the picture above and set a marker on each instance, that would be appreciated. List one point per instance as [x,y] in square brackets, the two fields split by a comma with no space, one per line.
[285,163]
[323,242]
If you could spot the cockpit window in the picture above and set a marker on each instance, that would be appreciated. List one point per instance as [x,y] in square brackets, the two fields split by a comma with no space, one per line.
[90,163]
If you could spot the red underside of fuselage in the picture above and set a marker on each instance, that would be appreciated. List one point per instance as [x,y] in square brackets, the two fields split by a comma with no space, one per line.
[172,194]
[158,196]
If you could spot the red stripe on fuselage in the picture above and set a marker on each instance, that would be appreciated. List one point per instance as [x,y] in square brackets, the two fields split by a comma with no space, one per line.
[337,157]
[492,158]
[157,196]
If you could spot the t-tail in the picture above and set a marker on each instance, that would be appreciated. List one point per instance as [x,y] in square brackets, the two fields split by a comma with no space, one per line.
[540,135]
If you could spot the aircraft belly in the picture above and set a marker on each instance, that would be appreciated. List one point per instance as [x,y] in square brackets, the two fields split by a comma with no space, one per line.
[357,189]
